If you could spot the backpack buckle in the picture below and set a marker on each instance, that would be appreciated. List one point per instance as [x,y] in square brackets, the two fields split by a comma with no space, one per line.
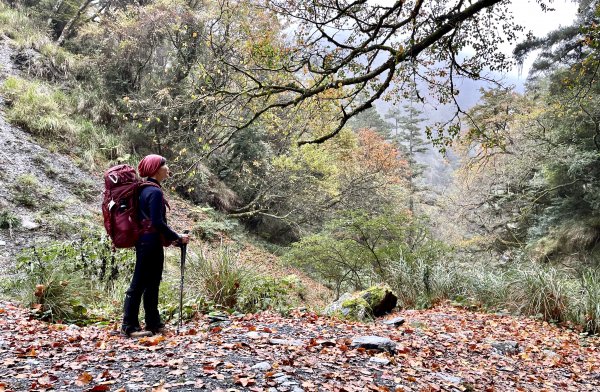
[113,178]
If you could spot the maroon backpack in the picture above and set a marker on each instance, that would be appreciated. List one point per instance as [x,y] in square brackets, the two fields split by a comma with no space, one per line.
[122,187]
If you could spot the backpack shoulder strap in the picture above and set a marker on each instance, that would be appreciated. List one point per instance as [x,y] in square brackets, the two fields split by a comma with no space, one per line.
[146,183]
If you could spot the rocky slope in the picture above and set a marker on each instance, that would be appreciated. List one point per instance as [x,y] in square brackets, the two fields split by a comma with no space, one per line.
[42,192]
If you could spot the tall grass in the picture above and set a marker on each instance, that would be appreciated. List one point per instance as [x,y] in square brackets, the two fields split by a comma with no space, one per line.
[541,290]
[590,301]
[20,27]
[535,289]
[50,114]
[39,108]
[218,275]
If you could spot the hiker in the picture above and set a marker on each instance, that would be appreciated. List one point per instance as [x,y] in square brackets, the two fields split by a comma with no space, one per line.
[149,252]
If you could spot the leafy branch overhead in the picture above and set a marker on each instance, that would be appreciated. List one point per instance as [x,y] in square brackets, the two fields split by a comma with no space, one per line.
[343,51]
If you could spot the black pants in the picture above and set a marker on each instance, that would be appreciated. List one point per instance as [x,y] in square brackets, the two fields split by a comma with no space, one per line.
[149,255]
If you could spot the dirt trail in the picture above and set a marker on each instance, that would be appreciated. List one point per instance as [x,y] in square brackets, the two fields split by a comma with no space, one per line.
[441,349]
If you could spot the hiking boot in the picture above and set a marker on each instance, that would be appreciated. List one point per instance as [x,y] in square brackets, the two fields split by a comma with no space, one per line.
[158,329]
[128,331]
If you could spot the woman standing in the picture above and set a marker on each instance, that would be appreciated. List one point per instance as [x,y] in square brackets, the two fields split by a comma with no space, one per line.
[149,251]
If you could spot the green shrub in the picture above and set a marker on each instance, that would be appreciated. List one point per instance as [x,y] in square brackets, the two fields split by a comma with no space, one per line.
[214,226]
[28,190]
[70,281]
[361,249]
[265,292]
[9,220]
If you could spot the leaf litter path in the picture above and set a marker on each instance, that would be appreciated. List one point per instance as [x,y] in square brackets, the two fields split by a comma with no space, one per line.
[442,349]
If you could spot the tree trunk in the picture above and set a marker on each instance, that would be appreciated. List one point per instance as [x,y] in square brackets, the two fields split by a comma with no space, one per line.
[55,10]
[71,23]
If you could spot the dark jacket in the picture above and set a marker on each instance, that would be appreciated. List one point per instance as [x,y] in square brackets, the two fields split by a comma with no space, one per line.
[153,207]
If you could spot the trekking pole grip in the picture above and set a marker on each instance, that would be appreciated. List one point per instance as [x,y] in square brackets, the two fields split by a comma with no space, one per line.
[183,246]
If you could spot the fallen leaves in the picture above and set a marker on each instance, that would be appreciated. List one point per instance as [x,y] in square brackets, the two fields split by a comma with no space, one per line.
[152,340]
[439,349]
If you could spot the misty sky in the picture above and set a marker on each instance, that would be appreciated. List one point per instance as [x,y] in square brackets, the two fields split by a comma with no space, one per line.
[529,14]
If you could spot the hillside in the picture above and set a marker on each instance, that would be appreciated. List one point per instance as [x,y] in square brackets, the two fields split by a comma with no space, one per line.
[46,196]
[43,193]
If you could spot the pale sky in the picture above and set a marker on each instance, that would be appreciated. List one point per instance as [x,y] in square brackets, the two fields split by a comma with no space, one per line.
[529,14]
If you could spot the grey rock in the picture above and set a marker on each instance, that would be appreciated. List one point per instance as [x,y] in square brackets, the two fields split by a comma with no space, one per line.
[550,354]
[337,305]
[396,322]
[2,243]
[374,343]
[222,324]
[448,377]
[508,347]
[381,361]
[256,335]
[281,379]
[297,389]
[218,316]
[289,383]
[372,302]
[287,342]
[29,224]
[262,366]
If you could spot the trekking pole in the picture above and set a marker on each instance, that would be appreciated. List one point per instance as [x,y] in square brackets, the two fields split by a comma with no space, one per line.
[183,252]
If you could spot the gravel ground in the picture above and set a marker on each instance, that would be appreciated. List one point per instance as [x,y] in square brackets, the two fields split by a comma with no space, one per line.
[440,349]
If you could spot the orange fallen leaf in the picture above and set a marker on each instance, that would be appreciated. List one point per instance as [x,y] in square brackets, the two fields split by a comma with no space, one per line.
[152,341]
[84,379]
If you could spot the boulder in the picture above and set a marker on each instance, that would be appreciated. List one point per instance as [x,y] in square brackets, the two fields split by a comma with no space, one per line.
[364,305]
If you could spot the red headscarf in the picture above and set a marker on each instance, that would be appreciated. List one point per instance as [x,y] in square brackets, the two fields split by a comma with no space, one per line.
[150,165]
